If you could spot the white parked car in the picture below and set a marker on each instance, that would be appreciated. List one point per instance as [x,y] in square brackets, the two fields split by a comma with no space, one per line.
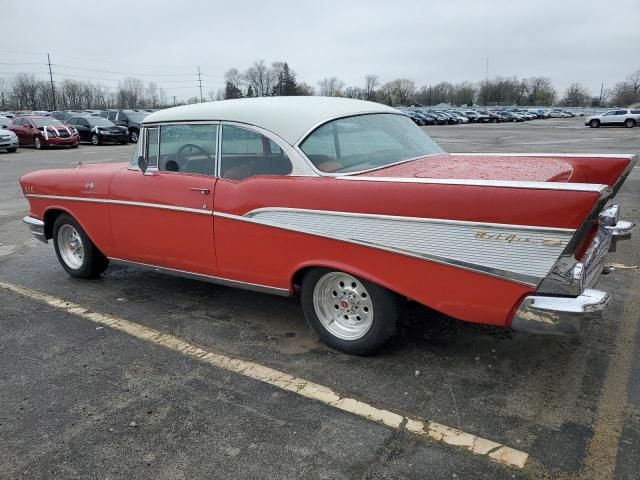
[622,117]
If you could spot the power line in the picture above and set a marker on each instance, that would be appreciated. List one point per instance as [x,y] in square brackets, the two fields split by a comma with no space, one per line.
[200,82]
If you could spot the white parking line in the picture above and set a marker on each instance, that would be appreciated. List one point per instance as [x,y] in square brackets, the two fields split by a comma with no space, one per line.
[424,428]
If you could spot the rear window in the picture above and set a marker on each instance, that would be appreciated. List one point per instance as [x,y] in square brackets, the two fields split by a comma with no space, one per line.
[364,142]
[635,112]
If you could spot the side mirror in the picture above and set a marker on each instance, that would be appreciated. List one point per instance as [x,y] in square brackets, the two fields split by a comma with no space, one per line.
[142,163]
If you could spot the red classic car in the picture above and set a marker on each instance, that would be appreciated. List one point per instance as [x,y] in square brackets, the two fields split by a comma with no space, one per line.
[351,206]
[43,132]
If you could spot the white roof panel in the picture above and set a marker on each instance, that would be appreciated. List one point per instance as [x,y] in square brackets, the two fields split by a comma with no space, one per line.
[288,117]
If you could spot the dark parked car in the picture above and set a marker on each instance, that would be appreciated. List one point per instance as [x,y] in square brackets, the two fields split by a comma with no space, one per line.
[42,132]
[126,118]
[98,130]
[428,119]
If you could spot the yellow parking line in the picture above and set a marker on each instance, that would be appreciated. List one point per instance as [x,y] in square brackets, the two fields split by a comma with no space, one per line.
[424,428]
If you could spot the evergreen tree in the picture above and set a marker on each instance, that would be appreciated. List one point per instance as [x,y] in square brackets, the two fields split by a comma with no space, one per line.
[286,84]
[231,91]
[249,92]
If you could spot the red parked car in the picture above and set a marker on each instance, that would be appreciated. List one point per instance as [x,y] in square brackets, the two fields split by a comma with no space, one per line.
[43,132]
[350,206]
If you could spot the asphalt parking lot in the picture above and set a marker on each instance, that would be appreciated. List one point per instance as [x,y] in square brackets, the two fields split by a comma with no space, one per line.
[80,399]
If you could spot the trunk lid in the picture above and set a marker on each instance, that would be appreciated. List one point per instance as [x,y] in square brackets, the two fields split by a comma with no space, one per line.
[569,168]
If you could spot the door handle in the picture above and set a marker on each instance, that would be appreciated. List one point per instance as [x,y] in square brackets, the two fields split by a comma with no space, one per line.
[204,191]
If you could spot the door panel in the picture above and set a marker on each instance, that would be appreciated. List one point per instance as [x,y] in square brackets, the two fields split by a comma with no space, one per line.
[175,228]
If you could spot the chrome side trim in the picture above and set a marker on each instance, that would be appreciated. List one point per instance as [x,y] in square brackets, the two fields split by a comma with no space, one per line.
[603,190]
[123,202]
[37,228]
[575,155]
[559,315]
[227,282]
[411,219]
[468,246]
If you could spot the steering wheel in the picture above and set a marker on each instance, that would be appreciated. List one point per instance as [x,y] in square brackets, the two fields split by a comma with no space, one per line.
[191,147]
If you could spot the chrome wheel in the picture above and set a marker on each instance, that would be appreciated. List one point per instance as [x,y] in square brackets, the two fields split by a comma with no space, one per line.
[37,143]
[343,306]
[70,246]
[133,136]
[94,139]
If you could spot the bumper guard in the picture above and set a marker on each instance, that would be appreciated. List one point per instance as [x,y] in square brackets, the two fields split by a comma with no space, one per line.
[37,228]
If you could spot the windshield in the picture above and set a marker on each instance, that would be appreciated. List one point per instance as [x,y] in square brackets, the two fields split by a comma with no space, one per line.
[136,117]
[43,122]
[364,142]
[99,122]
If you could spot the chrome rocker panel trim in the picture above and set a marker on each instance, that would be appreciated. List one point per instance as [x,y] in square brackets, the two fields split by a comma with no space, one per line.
[37,228]
[227,282]
[559,315]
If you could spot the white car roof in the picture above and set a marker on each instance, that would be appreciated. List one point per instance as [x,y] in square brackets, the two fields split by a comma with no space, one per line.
[288,117]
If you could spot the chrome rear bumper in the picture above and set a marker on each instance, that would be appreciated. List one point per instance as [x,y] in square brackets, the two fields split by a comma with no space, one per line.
[564,315]
[559,315]
[37,228]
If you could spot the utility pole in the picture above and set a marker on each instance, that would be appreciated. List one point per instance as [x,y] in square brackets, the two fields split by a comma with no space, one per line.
[601,91]
[3,105]
[200,82]
[53,90]
[174,100]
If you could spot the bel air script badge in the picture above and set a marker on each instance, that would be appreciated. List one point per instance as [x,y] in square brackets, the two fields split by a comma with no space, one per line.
[514,238]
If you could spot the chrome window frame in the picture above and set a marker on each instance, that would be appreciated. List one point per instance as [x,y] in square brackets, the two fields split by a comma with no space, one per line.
[299,165]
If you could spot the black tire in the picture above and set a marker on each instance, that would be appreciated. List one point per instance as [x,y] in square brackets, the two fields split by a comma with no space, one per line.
[133,135]
[12,150]
[124,142]
[95,139]
[594,123]
[629,123]
[93,261]
[385,304]
[74,146]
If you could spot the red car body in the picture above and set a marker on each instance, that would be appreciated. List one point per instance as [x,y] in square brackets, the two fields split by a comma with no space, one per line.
[475,237]
[43,132]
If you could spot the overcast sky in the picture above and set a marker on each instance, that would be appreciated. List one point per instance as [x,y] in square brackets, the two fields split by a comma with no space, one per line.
[426,41]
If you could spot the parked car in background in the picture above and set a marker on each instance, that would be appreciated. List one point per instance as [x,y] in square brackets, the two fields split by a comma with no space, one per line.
[62,116]
[493,116]
[417,119]
[132,119]
[428,119]
[506,116]
[43,132]
[7,114]
[623,117]
[98,130]
[348,205]
[8,139]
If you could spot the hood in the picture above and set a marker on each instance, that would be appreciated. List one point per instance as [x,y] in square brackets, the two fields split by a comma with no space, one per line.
[543,168]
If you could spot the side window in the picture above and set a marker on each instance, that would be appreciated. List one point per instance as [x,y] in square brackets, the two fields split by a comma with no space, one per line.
[153,135]
[72,121]
[112,116]
[635,112]
[83,122]
[610,112]
[246,153]
[621,112]
[188,149]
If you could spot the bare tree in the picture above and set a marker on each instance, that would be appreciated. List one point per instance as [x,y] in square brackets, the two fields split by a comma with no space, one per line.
[370,83]
[130,92]
[330,87]
[576,96]
[152,95]
[234,77]
[260,77]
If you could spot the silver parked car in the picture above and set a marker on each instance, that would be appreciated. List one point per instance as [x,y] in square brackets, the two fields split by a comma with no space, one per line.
[623,117]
